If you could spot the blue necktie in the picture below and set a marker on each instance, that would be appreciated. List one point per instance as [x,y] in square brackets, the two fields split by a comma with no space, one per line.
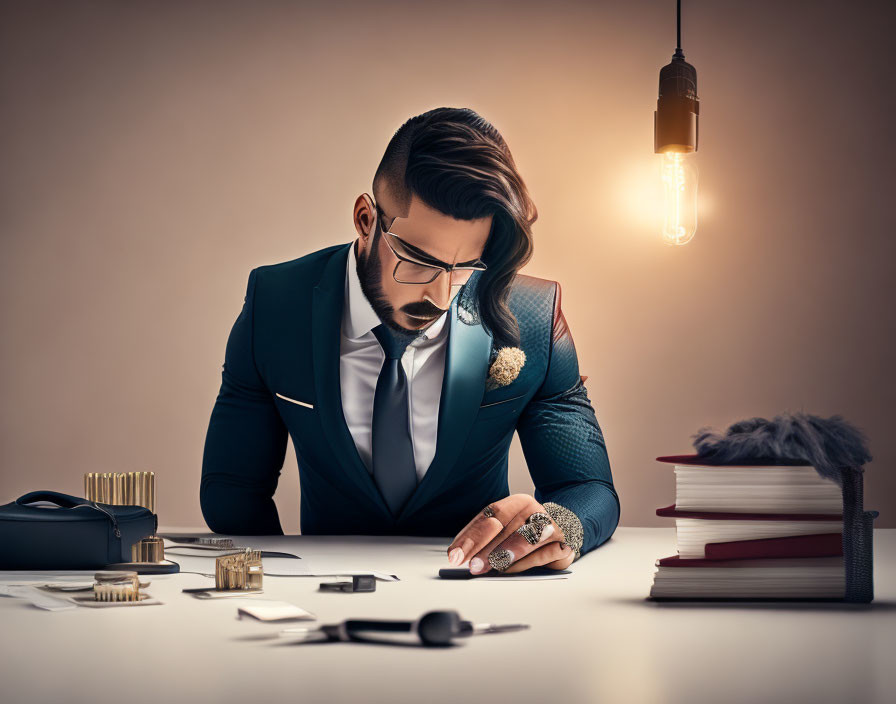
[394,470]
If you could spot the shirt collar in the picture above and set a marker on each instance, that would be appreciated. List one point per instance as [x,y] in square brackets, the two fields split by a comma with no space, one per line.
[358,316]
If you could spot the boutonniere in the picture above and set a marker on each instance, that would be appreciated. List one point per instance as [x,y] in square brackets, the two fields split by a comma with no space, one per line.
[505,368]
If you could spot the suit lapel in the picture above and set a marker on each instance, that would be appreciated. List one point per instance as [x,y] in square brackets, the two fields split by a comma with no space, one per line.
[329,295]
[463,385]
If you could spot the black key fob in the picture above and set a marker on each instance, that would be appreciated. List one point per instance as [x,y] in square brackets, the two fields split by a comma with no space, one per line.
[359,583]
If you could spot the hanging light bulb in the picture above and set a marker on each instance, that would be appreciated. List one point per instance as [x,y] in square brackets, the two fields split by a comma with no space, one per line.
[675,132]
[679,197]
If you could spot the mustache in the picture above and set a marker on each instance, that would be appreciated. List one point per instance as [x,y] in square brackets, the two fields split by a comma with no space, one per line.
[423,309]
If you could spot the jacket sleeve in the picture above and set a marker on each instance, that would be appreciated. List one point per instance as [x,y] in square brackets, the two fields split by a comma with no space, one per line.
[563,443]
[246,441]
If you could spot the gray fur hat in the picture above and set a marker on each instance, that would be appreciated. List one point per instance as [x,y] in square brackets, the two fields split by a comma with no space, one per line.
[831,445]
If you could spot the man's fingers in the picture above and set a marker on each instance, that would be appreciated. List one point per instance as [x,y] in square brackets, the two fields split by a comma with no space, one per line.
[509,546]
[552,555]
[482,529]
[455,551]
[515,547]
[479,530]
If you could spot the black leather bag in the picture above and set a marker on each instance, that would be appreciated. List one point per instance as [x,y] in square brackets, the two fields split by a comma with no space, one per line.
[73,534]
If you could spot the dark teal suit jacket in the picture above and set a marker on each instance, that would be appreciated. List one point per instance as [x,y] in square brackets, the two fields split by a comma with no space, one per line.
[285,342]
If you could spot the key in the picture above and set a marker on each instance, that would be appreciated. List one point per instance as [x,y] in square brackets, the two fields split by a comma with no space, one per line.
[433,628]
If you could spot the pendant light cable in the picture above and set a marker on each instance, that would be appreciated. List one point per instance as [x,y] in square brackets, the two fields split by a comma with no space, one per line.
[679,54]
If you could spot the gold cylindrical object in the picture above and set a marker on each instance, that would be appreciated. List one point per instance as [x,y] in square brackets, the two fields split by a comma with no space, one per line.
[128,489]
[242,570]
[121,488]
[148,550]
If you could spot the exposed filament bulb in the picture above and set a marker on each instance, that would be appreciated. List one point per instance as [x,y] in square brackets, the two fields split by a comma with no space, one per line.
[679,175]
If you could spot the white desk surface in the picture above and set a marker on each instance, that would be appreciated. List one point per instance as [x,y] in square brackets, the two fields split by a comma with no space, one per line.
[593,638]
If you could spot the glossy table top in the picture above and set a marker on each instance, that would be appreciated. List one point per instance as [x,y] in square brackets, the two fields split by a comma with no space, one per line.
[593,637]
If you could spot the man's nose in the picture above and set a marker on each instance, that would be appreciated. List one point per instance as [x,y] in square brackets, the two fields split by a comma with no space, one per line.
[440,292]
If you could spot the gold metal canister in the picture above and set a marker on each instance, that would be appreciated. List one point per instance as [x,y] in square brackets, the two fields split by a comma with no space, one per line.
[242,570]
[128,489]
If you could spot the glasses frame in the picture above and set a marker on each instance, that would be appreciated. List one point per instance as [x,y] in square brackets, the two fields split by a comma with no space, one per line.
[438,269]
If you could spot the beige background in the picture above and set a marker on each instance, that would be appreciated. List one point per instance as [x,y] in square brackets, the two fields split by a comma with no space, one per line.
[153,153]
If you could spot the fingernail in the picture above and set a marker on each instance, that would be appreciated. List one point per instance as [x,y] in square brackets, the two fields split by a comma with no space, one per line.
[456,556]
[546,533]
[476,565]
[500,559]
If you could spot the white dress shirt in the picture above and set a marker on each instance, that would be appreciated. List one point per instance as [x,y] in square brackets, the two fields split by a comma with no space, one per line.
[360,360]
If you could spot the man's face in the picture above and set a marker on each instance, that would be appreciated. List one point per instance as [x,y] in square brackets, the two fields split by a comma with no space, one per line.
[411,308]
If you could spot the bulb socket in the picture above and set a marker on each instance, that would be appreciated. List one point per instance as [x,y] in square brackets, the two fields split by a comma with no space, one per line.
[675,121]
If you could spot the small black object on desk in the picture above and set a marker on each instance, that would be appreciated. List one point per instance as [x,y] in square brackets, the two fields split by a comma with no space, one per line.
[359,583]
[164,567]
[434,628]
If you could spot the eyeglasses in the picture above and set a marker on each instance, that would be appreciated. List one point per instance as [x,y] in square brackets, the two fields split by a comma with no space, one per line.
[410,270]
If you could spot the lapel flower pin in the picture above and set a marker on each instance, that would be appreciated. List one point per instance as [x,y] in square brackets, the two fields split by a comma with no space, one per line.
[506,367]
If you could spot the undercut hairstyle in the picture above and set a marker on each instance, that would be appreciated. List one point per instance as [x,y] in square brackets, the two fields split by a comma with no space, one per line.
[456,162]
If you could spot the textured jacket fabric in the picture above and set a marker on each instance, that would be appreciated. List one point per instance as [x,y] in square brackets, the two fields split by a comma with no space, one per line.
[281,378]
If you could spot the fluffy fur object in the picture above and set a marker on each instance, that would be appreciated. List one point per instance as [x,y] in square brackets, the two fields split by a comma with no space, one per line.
[506,367]
[829,444]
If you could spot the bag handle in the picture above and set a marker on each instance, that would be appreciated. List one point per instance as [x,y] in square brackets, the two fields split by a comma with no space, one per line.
[64,500]
[69,501]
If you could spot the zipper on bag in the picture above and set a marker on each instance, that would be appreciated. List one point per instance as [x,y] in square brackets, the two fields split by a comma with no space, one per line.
[110,515]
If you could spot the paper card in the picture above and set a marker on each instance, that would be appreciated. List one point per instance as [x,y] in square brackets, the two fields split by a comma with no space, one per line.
[35,596]
[212,593]
[268,610]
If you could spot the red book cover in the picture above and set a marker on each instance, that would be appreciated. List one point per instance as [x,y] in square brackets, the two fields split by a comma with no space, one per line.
[672,512]
[678,561]
[820,545]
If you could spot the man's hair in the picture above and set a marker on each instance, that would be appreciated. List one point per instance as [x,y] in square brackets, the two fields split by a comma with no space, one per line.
[456,162]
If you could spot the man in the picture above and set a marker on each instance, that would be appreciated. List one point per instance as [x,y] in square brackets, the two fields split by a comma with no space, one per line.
[401,364]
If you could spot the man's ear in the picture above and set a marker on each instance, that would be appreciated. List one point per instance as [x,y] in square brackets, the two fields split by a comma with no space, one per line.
[364,217]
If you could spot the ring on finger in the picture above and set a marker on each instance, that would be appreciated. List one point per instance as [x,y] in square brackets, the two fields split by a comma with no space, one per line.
[534,526]
[500,559]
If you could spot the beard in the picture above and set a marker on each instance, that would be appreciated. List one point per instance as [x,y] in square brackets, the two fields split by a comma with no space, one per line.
[370,277]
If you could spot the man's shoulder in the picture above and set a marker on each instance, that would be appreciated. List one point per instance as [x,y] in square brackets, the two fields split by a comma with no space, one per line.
[307,264]
[523,284]
[531,296]
[296,274]
[535,303]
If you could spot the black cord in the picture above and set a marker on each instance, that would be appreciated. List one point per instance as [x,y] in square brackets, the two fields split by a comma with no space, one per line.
[678,52]
[678,44]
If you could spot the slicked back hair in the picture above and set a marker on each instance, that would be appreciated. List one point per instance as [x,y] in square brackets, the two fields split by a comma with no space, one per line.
[456,162]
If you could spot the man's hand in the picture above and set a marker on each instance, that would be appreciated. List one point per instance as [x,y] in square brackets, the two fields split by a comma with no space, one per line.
[493,541]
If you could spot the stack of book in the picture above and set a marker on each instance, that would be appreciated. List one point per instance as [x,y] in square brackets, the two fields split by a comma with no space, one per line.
[752,532]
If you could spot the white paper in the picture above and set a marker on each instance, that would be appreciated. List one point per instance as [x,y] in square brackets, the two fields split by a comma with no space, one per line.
[194,560]
[350,571]
[270,610]
[275,567]
[44,576]
[35,596]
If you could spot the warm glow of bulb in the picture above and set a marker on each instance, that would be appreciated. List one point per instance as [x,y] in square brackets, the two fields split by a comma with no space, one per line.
[679,197]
